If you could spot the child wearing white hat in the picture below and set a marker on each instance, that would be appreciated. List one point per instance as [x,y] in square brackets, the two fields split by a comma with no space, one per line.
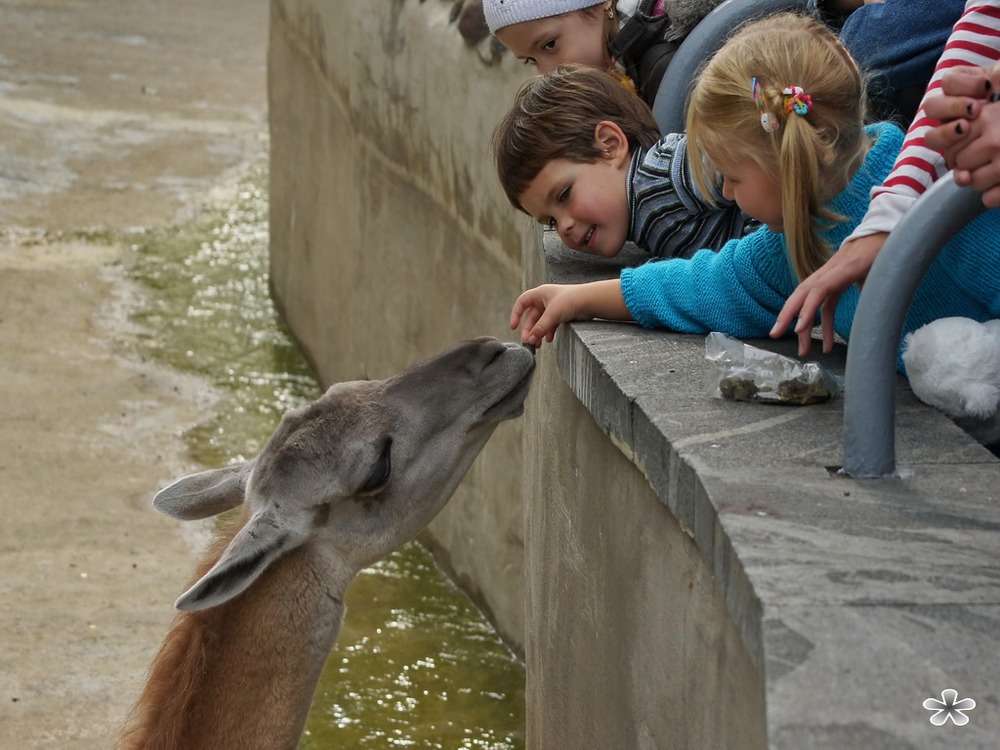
[635,38]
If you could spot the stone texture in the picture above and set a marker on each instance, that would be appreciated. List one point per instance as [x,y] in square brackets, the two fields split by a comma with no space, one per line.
[390,236]
[855,599]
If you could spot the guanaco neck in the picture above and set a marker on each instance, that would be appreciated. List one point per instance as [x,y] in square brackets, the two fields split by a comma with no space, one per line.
[242,674]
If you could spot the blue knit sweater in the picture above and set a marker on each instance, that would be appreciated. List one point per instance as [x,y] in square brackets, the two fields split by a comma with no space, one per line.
[740,289]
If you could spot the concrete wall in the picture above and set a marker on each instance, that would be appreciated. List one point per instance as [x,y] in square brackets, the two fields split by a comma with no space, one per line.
[390,237]
[630,644]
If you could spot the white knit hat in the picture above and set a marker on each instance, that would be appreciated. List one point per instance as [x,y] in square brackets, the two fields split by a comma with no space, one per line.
[500,13]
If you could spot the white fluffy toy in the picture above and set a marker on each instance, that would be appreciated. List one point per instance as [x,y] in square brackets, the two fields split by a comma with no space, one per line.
[954,364]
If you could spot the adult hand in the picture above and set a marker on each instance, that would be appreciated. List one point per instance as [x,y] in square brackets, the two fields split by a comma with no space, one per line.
[820,292]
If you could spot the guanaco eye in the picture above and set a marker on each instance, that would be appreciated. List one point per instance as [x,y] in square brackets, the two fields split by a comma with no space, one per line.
[381,471]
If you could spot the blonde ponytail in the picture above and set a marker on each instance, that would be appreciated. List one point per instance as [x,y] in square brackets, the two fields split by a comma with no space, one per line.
[738,110]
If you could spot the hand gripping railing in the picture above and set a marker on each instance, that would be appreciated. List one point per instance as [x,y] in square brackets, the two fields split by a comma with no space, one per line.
[870,378]
[703,41]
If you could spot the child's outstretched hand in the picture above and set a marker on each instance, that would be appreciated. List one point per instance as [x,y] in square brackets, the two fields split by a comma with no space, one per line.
[539,311]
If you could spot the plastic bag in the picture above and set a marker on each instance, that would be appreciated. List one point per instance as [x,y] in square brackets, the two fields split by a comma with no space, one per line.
[746,373]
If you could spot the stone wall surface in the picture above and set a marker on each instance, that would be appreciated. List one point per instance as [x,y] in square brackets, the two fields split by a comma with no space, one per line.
[839,605]
[684,572]
[390,236]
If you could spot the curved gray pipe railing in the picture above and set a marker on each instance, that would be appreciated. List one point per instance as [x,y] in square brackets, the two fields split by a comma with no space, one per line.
[698,46]
[870,377]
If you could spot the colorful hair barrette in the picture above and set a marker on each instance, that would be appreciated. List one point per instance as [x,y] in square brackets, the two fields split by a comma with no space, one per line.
[796,100]
[767,121]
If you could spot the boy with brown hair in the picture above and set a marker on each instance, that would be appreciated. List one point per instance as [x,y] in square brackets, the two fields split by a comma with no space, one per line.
[582,155]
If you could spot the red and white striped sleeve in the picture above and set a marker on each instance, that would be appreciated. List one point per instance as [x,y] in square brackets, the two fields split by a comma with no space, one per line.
[974,40]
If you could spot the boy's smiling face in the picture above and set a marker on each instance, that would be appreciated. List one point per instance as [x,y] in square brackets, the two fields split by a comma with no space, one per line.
[586,202]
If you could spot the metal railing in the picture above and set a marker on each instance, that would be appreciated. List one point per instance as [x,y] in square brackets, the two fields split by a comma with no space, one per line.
[870,378]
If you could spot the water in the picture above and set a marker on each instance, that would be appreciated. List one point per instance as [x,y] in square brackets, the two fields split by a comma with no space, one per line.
[416,665]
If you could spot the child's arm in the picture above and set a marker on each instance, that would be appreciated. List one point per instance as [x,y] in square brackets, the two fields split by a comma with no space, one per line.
[539,311]
[737,291]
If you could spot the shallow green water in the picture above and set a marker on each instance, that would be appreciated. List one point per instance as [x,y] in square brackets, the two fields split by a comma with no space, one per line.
[416,665]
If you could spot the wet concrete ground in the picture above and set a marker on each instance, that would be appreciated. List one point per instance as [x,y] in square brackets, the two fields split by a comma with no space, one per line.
[113,114]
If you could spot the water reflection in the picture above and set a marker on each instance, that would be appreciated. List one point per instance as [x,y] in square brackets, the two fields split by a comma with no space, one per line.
[416,665]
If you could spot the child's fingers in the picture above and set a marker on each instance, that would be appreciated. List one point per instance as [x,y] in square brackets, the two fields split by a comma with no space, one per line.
[967,80]
[991,198]
[986,177]
[546,325]
[947,108]
[977,156]
[522,305]
[805,341]
[796,302]
[539,332]
[516,312]
[963,177]
[531,316]
[994,79]
[948,139]
[827,320]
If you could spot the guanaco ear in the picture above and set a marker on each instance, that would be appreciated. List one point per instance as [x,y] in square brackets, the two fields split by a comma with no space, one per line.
[204,494]
[253,549]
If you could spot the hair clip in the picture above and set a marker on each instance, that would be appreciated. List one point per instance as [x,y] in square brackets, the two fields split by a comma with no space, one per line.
[767,121]
[796,100]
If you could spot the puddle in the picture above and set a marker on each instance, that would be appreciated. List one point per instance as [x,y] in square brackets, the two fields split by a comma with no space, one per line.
[416,665]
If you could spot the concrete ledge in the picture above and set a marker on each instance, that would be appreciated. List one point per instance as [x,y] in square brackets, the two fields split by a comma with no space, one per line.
[854,599]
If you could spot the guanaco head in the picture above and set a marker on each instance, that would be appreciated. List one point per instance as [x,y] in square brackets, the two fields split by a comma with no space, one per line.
[361,470]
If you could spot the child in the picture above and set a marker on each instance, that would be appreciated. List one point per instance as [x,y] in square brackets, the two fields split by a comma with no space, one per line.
[638,36]
[581,155]
[975,40]
[778,112]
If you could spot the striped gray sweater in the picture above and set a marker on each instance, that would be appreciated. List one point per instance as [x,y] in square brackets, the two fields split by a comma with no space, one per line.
[669,218]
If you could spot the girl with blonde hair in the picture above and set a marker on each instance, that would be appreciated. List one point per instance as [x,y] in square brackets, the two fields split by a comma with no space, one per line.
[806,137]
[778,113]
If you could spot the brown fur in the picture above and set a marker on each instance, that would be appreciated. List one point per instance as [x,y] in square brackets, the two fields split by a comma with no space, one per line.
[242,674]
[157,720]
